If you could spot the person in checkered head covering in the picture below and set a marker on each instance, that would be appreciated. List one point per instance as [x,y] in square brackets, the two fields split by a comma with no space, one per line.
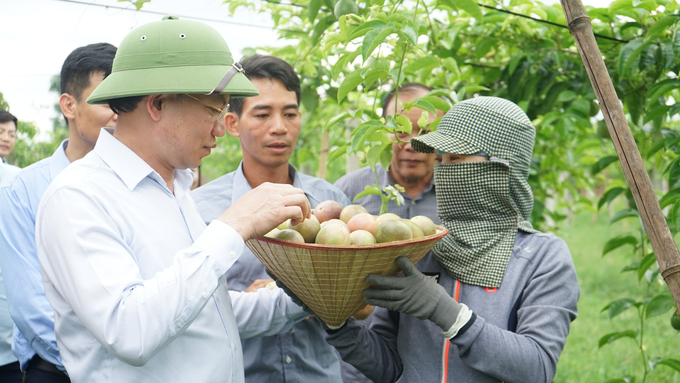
[483,197]
[495,298]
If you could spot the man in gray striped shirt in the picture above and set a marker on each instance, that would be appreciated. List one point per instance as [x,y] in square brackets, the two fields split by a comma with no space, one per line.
[410,169]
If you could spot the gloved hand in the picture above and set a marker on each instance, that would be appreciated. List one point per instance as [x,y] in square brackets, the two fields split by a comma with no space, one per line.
[413,294]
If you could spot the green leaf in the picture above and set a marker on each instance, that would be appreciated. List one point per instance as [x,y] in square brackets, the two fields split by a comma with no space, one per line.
[373,156]
[423,104]
[452,66]
[625,53]
[423,120]
[659,305]
[672,363]
[581,105]
[657,111]
[617,242]
[619,306]
[602,164]
[674,174]
[342,62]
[645,264]
[365,28]
[361,132]
[656,146]
[368,190]
[373,39]
[404,124]
[313,9]
[625,213]
[335,120]
[660,26]
[470,7]
[438,103]
[661,88]
[608,196]
[320,28]
[632,59]
[386,157]
[670,197]
[340,151]
[349,84]
[409,32]
[566,96]
[675,108]
[423,62]
[619,4]
[611,337]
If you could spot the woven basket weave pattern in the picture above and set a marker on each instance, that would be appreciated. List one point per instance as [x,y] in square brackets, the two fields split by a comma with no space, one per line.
[331,280]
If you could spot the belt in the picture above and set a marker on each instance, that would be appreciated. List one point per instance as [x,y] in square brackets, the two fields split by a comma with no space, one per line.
[41,364]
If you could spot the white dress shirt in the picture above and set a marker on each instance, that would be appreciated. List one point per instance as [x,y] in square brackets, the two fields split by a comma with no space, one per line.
[136,278]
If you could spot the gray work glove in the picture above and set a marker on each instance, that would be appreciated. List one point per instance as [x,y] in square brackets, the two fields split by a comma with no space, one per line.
[413,294]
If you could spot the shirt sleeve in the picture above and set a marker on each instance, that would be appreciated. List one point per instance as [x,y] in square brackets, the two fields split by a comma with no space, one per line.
[546,309]
[372,351]
[87,264]
[264,312]
[28,305]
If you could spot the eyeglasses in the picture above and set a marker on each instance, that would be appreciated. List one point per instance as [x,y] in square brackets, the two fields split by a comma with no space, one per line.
[220,112]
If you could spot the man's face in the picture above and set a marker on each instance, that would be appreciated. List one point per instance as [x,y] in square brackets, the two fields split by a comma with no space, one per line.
[269,125]
[407,164]
[8,133]
[89,119]
[192,128]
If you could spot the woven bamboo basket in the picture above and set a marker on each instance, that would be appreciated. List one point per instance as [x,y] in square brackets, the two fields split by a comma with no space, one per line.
[331,279]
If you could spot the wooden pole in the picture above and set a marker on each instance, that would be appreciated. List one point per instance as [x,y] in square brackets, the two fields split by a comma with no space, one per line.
[640,185]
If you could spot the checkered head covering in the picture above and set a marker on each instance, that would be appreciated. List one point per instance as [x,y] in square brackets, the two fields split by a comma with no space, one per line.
[483,204]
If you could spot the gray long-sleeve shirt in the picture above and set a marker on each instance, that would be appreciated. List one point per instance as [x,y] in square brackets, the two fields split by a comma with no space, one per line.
[518,335]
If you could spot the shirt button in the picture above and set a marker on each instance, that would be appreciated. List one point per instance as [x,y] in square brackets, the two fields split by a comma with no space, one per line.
[232,254]
[205,295]
[234,345]
[288,359]
[292,331]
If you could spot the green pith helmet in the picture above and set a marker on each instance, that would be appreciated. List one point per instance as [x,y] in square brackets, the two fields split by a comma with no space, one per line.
[173,56]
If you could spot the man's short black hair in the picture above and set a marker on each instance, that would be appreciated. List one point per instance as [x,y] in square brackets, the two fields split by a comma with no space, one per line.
[81,63]
[269,67]
[409,87]
[6,116]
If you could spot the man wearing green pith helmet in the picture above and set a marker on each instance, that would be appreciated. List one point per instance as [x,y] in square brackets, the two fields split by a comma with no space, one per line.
[134,275]
[494,300]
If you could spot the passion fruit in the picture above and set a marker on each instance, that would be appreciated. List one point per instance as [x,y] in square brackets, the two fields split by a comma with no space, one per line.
[345,7]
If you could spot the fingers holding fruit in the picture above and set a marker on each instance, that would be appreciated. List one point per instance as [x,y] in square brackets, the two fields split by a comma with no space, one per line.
[264,208]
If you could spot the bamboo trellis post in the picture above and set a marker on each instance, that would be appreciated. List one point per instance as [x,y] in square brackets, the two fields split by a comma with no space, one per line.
[640,185]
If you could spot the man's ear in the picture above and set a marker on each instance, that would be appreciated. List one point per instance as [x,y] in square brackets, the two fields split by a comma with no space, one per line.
[154,104]
[68,105]
[231,120]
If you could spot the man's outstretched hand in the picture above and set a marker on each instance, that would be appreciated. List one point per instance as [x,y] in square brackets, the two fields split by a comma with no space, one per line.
[264,208]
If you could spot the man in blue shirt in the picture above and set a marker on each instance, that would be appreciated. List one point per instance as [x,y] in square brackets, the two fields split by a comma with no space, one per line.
[34,341]
[267,127]
[9,366]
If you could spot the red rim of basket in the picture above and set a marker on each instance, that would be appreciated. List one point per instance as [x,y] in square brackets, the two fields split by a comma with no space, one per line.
[384,245]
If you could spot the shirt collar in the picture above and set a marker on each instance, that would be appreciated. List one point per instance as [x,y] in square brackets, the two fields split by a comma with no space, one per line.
[59,161]
[122,160]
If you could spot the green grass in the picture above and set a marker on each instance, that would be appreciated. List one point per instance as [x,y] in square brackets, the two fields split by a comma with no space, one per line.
[601,282]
